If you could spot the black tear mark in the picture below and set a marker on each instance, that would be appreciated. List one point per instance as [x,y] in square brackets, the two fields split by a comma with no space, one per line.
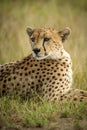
[44,47]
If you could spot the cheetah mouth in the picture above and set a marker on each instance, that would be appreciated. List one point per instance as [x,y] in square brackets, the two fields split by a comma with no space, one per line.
[38,57]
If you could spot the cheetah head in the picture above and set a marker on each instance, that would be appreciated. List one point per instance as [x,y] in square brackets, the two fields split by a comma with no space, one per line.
[47,43]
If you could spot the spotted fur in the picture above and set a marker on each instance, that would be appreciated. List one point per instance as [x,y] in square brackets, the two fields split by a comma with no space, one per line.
[46,72]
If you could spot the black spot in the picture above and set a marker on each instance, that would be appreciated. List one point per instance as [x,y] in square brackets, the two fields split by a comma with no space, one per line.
[42,79]
[29,72]
[41,66]
[56,87]
[60,79]
[9,79]
[50,89]
[43,89]
[3,92]
[28,84]
[18,84]
[2,70]
[38,69]
[12,84]
[21,74]
[16,93]
[55,70]
[5,81]
[35,76]
[61,64]
[53,95]
[61,99]
[22,67]
[39,76]
[31,65]
[23,91]
[32,83]
[49,94]
[58,74]
[26,79]
[35,64]
[39,81]
[33,71]
[66,60]
[61,69]
[20,79]
[48,78]
[14,77]
[81,100]
[23,62]
[23,86]
[48,69]
[53,82]
[27,63]
[17,72]
[25,68]
[81,92]
[55,98]
[32,87]
[48,64]
[75,99]
[4,86]
[26,74]
[60,91]
[53,77]
[61,96]
[64,63]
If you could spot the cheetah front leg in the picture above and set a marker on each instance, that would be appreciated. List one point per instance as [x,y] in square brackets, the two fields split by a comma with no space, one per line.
[75,95]
[80,92]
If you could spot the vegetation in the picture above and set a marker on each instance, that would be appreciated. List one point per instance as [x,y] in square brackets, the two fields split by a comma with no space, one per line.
[15,16]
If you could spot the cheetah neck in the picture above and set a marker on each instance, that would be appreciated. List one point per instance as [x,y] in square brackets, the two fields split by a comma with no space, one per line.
[60,56]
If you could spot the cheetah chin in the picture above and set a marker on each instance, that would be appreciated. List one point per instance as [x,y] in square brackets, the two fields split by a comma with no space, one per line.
[41,57]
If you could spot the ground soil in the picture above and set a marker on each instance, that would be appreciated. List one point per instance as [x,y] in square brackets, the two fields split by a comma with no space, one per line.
[58,123]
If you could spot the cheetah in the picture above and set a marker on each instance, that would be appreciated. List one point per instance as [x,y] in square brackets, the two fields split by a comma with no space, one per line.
[46,72]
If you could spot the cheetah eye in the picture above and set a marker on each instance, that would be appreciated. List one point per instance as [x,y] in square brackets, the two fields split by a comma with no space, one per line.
[46,39]
[33,39]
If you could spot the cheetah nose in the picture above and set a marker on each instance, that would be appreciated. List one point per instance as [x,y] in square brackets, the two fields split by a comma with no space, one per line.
[36,50]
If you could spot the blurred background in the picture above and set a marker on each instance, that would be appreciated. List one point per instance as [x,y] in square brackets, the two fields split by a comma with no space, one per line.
[17,15]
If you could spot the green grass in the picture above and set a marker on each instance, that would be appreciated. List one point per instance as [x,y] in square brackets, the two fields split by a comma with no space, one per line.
[77,126]
[15,16]
[37,113]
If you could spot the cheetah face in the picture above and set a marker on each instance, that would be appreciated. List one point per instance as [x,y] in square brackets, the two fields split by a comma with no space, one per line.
[46,42]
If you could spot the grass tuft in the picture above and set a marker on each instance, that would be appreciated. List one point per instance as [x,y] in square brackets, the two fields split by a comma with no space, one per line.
[36,114]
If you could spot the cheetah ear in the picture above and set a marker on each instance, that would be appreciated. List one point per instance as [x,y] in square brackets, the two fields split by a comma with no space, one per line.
[29,31]
[64,33]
